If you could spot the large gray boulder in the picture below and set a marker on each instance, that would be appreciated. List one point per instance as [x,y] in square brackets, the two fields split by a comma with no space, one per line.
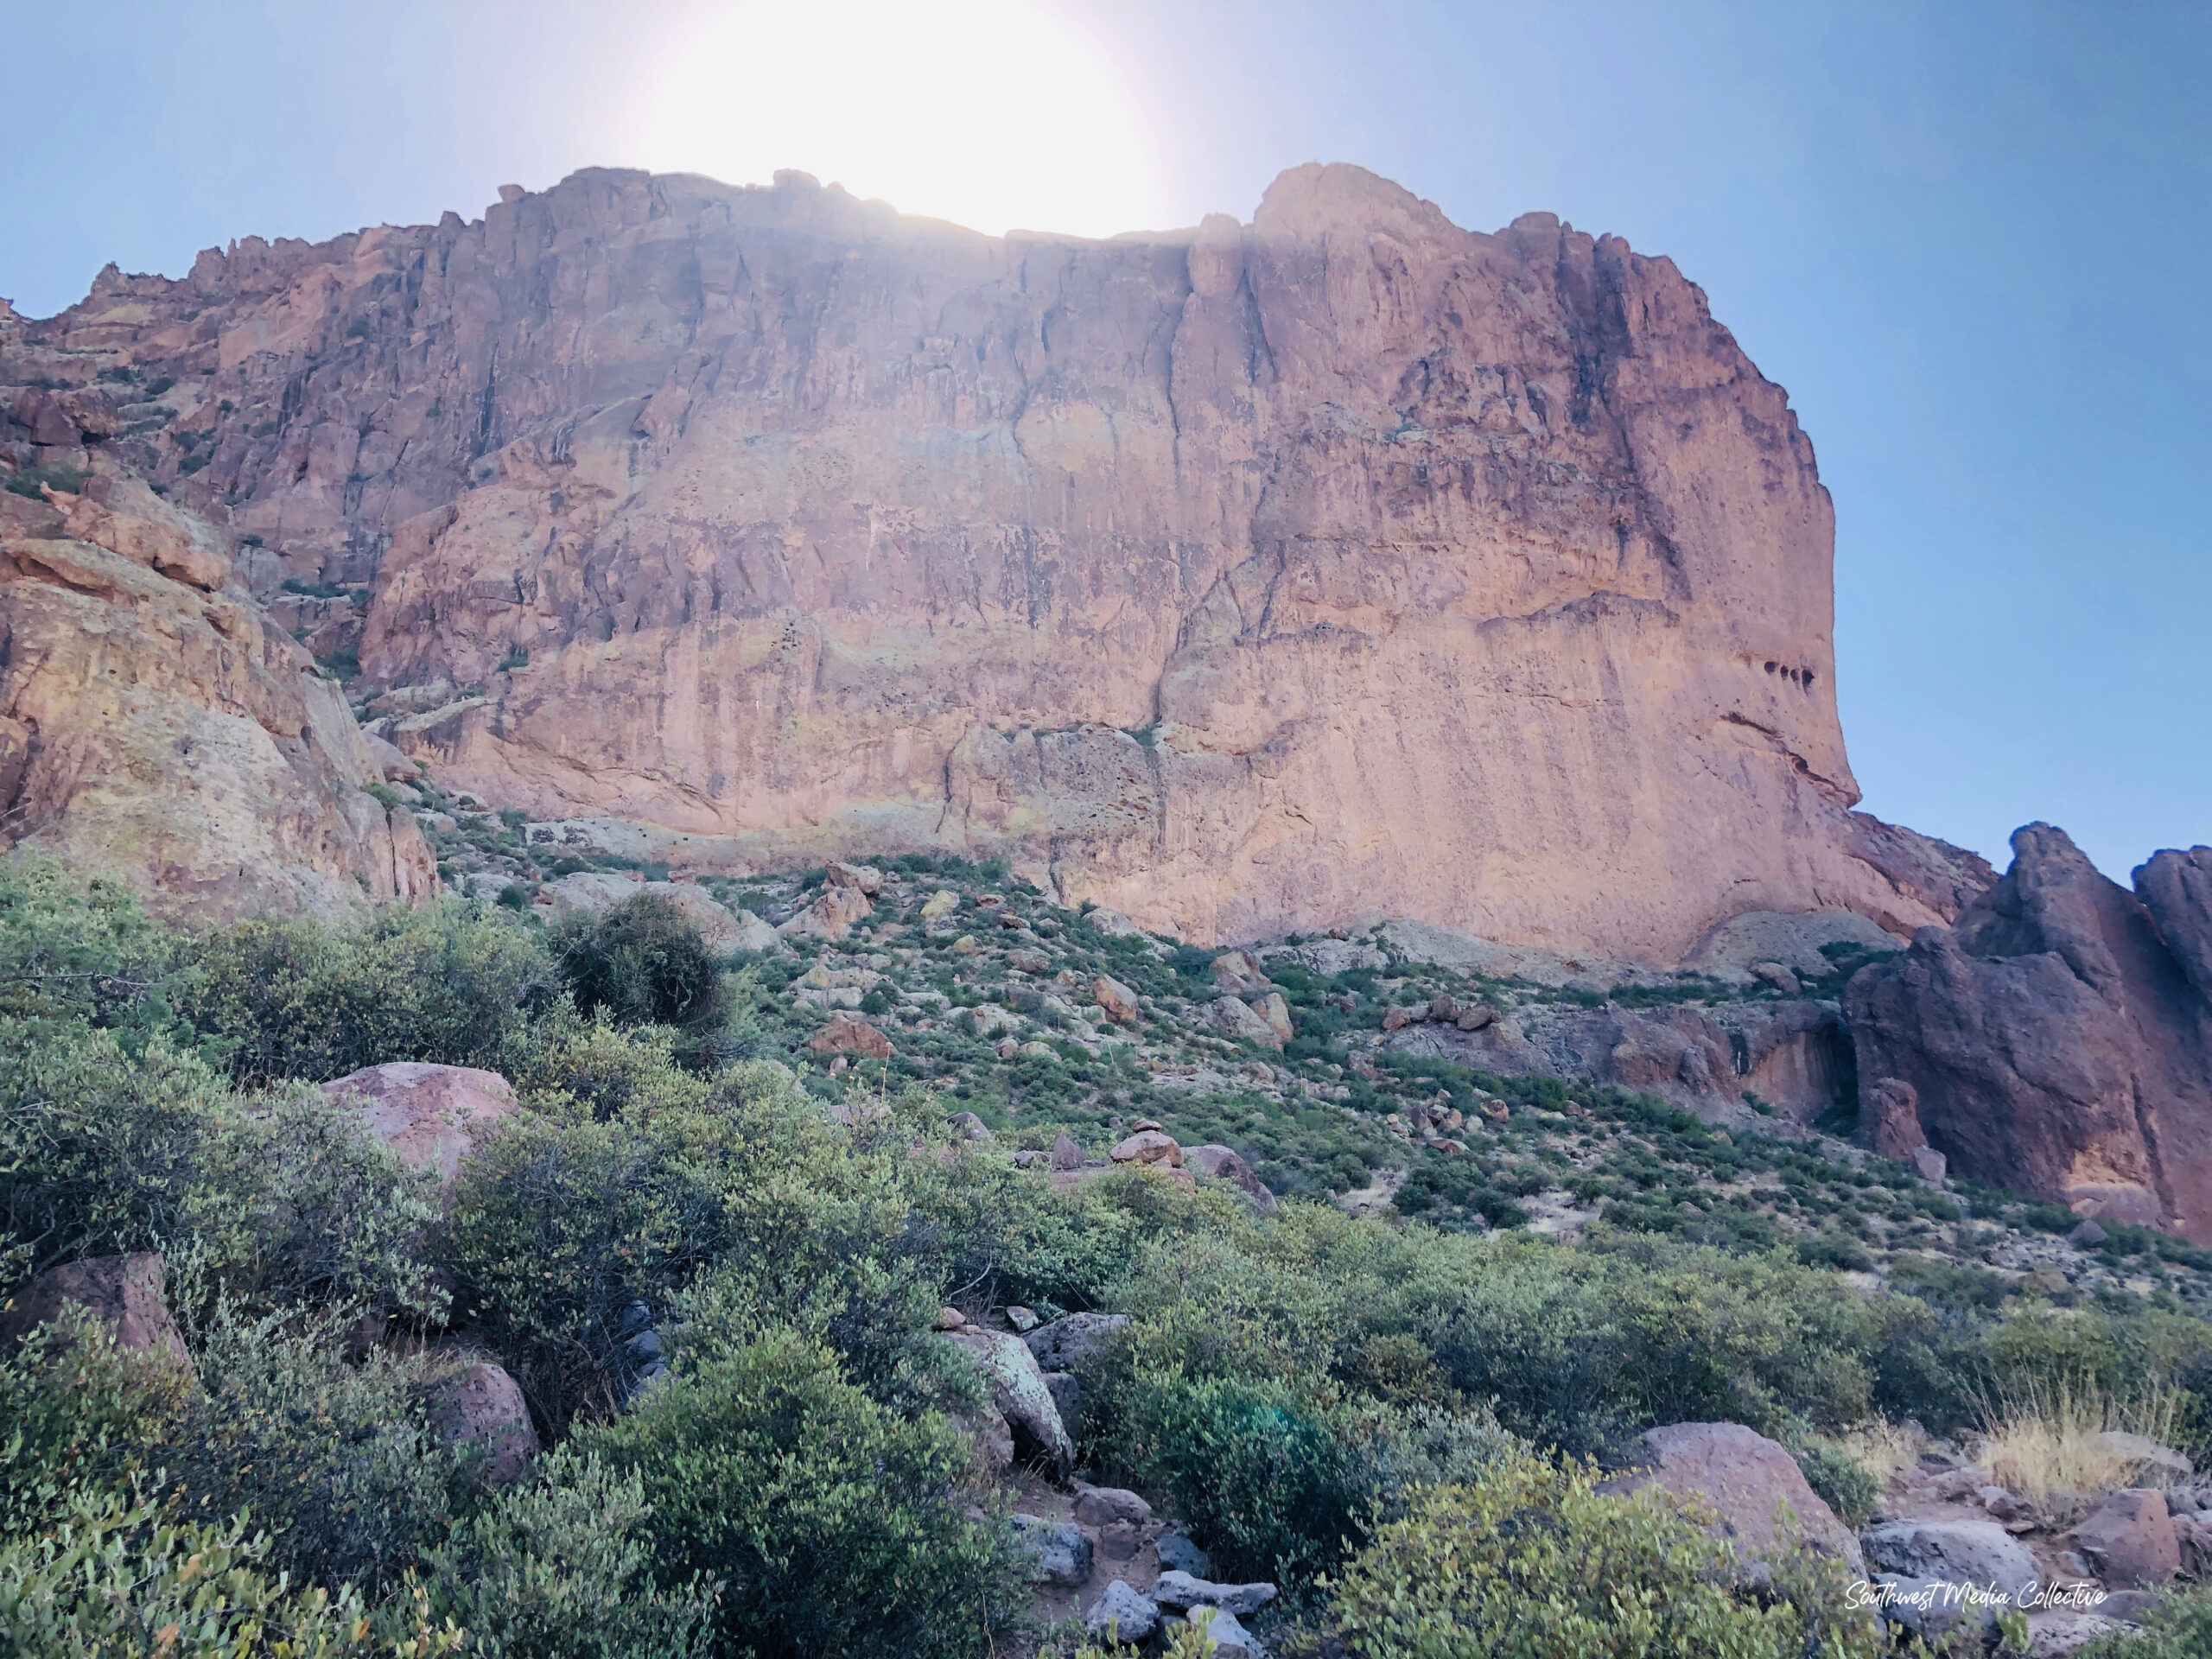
[1750,1480]
[1953,1552]
[1180,1591]
[1123,1614]
[1060,1551]
[1070,1344]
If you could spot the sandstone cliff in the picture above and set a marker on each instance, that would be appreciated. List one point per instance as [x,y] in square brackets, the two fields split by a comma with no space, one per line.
[154,722]
[1256,577]
[2058,1040]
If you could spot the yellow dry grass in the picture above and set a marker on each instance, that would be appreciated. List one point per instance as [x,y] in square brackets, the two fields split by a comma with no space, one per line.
[2047,1445]
[1884,1447]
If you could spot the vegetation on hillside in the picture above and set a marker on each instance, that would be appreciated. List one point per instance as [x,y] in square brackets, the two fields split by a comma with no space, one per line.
[1391,1416]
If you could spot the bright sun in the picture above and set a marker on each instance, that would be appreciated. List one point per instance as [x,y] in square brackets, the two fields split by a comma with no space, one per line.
[995,114]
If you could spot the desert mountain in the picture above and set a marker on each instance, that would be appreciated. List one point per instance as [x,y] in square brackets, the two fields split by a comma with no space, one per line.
[1257,577]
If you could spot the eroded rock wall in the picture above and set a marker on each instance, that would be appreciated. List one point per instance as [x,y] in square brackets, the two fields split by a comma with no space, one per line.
[155,724]
[2056,1040]
[1252,578]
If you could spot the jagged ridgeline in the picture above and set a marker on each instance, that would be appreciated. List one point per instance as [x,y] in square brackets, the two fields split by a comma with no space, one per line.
[730,925]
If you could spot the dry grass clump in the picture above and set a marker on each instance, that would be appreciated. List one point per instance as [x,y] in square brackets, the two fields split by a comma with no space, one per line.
[1882,1447]
[2052,1444]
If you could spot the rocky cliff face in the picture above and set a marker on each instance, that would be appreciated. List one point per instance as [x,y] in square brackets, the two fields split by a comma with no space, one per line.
[1258,577]
[2058,1040]
[155,724]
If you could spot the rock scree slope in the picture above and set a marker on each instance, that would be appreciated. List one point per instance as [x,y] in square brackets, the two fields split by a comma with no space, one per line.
[1245,579]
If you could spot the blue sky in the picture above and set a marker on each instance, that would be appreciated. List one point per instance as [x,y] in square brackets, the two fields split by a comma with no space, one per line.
[1971,238]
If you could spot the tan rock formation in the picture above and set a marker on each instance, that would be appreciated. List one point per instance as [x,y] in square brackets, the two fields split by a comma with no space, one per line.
[153,721]
[1244,579]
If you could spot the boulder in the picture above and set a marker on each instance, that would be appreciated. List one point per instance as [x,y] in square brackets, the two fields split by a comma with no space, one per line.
[940,905]
[1276,1012]
[2176,887]
[1122,1615]
[1149,1147]
[1066,1155]
[483,1406]
[592,892]
[1240,1021]
[1223,1164]
[1957,1551]
[1066,1389]
[1749,1479]
[1180,1590]
[391,765]
[1930,1165]
[1178,1552]
[2129,1540]
[1060,1550]
[2057,1633]
[856,1037]
[1070,1344]
[1929,1608]
[2139,1452]
[1736,949]
[990,1435]
[1017,1389]
[862,878]
[1115,1000]
[1226,1638]
[2056,1038]
[1099,1506]
[832,915]
[432,1116]
[123,1293]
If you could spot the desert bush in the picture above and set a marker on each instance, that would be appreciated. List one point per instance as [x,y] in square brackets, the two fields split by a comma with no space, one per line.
[83,954]
[835,1525]
[79,1411]
[2178,1627]
[2046,1442]
[101,1153]
[113,1576]
[1530,1563]
[644,962]
[1844,1481]
[559,1567]
[337,1463]
[293,997]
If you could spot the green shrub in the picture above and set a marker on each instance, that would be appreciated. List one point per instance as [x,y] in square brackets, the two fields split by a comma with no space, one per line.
[114,1577]
[71,952]
[644,962]
[337,1463]
[297,998]
[1844,1483]
[78,1410]
[559,1567]
[2178,1627]
[834,1526]
[1531,1563]
[280,1198]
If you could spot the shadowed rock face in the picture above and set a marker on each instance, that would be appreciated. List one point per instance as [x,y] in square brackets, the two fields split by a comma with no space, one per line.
[1244,579]
[2056,1038]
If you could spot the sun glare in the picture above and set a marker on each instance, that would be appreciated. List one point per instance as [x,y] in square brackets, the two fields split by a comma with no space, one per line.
[997,114]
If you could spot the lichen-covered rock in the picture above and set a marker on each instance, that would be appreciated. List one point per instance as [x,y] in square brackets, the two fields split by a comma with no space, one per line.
[1255,570]
[1060,1551]
[1123,1613]
[1148,1146]
[1180,1591]
[1223,1164]
[1017,1390]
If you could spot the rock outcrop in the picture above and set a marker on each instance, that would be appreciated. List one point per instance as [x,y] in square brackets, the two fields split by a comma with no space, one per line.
[123,1293]
[1765,1507]
[2058,1039]
[1244,579]
[431,1116]
[154,722]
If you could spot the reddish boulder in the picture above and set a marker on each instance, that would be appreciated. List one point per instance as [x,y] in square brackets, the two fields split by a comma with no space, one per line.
[432,1115]
[1891,1115]
[1224,1164]
[484,1407]
[851,1037]
[1149,1147]
[124,1292]
[2056,1038]
[1749,1479]
[2129,1540]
